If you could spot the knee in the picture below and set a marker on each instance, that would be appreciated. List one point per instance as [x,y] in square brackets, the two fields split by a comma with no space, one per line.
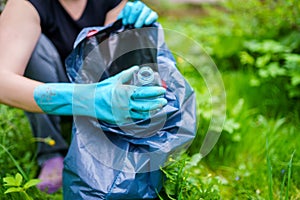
[45,64]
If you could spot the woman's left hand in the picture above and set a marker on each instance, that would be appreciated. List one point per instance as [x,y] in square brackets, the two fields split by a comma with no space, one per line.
[138,14]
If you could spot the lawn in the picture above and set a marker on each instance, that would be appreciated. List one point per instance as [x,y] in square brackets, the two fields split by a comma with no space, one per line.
[245,70]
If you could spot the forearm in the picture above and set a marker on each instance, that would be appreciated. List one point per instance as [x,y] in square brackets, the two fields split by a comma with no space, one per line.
[57,98]
[17,91]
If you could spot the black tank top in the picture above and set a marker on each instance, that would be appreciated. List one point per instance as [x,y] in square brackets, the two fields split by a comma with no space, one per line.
[61,29]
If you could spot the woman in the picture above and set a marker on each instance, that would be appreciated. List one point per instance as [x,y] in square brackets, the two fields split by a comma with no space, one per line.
[35,38]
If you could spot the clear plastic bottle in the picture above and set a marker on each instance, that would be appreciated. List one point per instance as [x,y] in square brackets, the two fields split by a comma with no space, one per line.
[146,77]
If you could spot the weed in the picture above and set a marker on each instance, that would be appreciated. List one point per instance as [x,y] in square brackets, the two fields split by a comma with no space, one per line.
[15,184]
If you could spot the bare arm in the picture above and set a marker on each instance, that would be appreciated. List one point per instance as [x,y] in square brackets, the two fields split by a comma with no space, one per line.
[19,32]
[112,15]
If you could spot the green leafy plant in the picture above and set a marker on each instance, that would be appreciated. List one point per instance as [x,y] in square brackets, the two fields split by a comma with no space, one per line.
[273,60]
[187,179]
[15,130]
[15,184]
[254,35]
[17,156]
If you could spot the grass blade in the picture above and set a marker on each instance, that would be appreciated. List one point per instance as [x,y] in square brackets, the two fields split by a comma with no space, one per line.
[289,176]
[282,187]
[270,178]
[15,162]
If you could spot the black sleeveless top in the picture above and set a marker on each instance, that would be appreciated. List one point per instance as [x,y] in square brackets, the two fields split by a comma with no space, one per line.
[61,29]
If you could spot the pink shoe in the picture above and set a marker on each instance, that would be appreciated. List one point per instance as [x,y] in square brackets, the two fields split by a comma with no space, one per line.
[51,175]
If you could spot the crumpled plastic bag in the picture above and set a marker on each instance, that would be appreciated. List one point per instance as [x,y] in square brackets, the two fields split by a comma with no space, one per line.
[108,161]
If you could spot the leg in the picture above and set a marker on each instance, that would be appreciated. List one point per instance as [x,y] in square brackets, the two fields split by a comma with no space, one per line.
[45,66]
[43,126]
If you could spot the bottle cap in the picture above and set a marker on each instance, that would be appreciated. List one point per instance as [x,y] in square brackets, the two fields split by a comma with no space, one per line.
[145,75]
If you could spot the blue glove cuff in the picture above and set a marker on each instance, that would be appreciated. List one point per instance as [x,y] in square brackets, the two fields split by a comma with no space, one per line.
[54,98]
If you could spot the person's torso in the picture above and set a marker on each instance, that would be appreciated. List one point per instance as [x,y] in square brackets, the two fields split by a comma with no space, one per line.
[62,29]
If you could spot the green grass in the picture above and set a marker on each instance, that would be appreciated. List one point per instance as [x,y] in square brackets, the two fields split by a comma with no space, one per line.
[241,163]
[256,115]
[17,153]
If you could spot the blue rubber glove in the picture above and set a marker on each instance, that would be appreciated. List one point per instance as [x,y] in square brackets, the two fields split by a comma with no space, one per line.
[112,100]
[137,13]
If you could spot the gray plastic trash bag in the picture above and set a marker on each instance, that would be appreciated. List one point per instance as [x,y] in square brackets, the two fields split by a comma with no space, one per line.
[108,161]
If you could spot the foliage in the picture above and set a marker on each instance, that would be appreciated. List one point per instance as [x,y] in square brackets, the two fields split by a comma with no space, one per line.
[272,61]
[269,40]
[262,36]
[15,139]
[17,147]
[14,184]
[263,19]
[187,179]
[256,45]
